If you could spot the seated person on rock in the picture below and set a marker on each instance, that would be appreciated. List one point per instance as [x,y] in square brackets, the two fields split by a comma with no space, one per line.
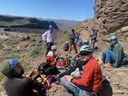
[114,55]
[89,83]
[53,58]
[17,85]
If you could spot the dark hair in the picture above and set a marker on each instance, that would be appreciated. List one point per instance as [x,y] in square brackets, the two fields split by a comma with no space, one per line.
[73,30]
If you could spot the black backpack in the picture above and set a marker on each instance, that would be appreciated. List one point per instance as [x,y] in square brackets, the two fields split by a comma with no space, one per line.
[46,69]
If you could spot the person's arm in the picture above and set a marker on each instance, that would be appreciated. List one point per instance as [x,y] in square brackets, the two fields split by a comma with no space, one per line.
[70,36]
[118,52]
[105,40]
[71,68]
[44,36]
[85,78]
[37,86]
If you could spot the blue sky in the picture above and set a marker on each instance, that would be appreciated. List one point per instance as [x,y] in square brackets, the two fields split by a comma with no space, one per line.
[49,9]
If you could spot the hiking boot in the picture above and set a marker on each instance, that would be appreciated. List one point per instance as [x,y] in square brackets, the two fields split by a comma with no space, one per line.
[107,65]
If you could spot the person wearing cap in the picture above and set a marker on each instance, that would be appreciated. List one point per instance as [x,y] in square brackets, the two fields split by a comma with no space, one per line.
[114,55]
[89,83]
[17,85]
[49,37]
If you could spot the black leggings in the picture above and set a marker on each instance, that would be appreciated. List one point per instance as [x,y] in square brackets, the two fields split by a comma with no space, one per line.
[48,46]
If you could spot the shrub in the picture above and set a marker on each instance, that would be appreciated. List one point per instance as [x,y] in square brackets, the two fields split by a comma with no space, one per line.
[36,51]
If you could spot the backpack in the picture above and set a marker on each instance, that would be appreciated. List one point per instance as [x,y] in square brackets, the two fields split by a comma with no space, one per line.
[80,42]
[61,62]
[46,69]
[66,46]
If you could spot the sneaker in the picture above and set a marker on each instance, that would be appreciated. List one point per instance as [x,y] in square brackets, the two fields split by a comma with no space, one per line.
[107,65]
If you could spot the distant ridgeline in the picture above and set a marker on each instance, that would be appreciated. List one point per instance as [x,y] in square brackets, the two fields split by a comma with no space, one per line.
[10,23]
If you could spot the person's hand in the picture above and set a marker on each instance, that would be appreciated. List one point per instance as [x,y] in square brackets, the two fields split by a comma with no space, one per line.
[67,77]
[94,94]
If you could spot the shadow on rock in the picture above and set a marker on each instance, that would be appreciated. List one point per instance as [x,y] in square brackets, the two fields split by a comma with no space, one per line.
[107,89]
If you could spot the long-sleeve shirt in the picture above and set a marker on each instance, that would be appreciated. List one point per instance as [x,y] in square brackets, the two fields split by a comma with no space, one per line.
[22,87]
[91,77]
[49,37]
[119,52]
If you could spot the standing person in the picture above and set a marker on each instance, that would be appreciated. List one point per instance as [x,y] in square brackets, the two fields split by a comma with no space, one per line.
[72,37]
[114,55]
[93,36]
[17,85]
[89,83]
[49,37]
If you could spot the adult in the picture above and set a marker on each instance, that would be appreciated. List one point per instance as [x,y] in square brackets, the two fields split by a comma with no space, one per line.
[49,37]
[17,85]
[114,55]
[54,58]
[90,80]
[72,37]
[93,37]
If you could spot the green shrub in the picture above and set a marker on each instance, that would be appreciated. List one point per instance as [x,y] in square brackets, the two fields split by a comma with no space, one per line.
[36,51]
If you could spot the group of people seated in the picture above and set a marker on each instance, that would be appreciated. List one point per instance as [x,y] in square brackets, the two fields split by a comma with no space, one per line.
[82,77]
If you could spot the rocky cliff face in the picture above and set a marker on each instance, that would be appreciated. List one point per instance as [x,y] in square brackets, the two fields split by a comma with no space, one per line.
[111,15]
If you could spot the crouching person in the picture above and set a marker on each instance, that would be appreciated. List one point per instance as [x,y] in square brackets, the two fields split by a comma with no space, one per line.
[17,85]
[89,83]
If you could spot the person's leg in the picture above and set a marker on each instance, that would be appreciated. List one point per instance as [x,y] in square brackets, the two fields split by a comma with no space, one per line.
[48,45]
[68,85]
[70,47]
[74,46]
[73,89]
[125,60]
[104,56]
[93,43]
[108,56]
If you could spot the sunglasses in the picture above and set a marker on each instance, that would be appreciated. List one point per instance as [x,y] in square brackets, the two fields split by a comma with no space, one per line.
[83,53]
[113,40]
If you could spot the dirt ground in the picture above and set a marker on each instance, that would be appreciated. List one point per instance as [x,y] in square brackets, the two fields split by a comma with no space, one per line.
[117,79]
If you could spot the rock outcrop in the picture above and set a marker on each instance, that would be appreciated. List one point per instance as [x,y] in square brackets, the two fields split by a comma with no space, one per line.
[111,15]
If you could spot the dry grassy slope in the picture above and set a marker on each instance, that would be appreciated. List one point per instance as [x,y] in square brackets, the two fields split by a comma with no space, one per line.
[114,76]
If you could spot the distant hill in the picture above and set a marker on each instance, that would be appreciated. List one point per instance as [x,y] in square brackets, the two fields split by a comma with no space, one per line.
[13,23]
[65,24]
